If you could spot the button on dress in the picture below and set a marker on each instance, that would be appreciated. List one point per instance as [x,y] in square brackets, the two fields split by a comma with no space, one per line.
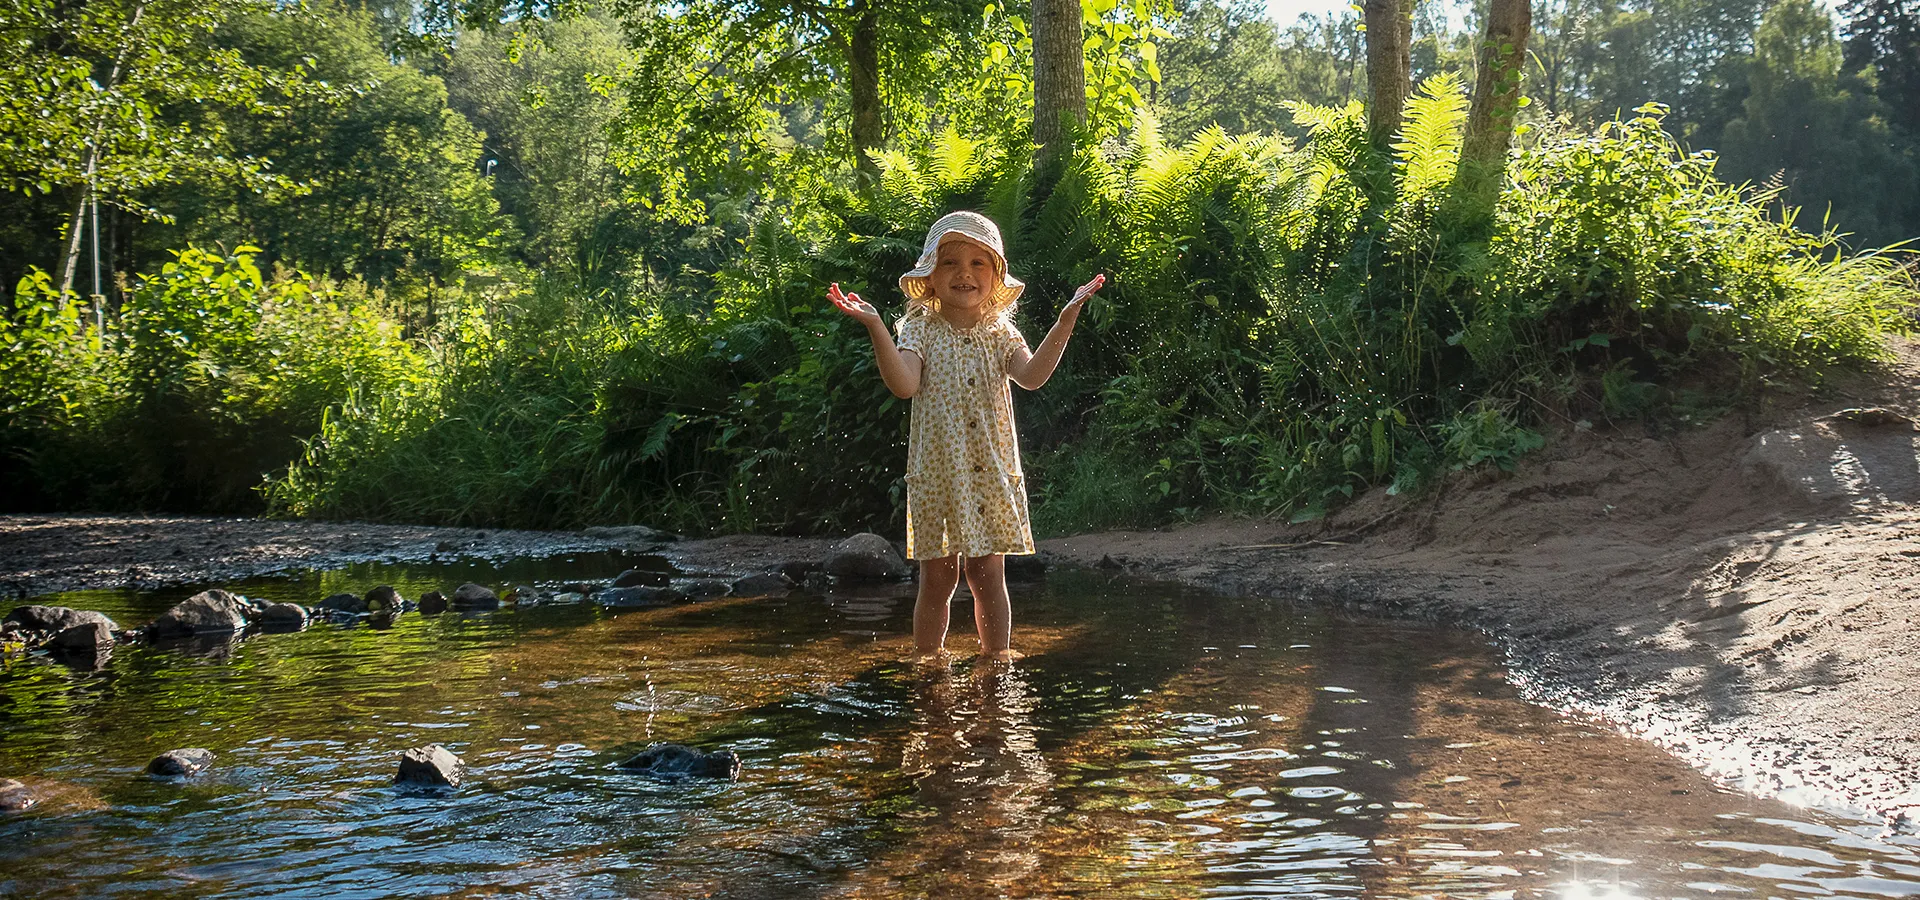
[965,490]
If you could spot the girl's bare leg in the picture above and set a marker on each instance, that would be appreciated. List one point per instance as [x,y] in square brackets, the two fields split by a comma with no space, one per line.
[992,610]
[938,578]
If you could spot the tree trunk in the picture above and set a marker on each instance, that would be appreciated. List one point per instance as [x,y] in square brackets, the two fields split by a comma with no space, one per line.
[864,84]
[1059,73]
[1496,98]
[1389,66]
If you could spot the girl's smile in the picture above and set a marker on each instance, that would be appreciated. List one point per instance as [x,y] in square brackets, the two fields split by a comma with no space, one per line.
[963,275]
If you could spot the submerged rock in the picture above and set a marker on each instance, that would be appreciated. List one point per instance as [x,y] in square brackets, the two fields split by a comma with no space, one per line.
[867,557]
[638,597]
[385,599]
[282,617]
[525,595]
[15,797]
[346,603]
[705,590]
[433,603]
[473,596]
[766,585]
[568,597]
[208,612]
[429,766]
[184,763]
[680,760]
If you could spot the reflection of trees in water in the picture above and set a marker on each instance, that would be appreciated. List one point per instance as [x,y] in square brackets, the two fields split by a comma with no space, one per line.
[981,782]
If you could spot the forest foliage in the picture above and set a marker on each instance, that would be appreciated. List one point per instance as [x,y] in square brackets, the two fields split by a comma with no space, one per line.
[372,261]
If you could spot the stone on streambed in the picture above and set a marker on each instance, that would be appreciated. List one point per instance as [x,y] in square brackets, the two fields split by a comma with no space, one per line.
[432,766]
[866,557]
[525,595]
[706,589]
[282,617]
[15,797]
[765,585]
[86,637]
[638,597]
[433,603]
[473,596]
[682,761]
[642,578]
[384,599]
[344,602]
[208,612]
[184,763]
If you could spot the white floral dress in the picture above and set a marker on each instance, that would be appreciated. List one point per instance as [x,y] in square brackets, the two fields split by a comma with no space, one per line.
[965,490]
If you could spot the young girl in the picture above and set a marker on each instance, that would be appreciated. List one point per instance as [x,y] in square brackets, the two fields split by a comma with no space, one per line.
[966,502]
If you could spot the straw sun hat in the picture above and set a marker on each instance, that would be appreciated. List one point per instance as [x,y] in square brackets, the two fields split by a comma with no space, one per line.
[976,228]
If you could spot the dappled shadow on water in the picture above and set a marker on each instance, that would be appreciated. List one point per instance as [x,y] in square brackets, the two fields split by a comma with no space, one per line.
[1154,743]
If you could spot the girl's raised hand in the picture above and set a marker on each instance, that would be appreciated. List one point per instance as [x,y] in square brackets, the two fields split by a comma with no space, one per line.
[1085,291]
[852,305]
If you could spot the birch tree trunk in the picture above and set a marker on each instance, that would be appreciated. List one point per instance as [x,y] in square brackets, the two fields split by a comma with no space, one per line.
[1059,73]
[1389,66]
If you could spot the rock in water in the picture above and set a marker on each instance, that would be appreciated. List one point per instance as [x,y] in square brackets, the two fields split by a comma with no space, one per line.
[346,603]
[385,599]
[637,597]
[429,766]
[705,590]
[15,797]
[207,612]
[866,557]
[86,637]
[181,763]
[55,619]
[282,617]
[680,760]
[629,534]
[473,596]
[433,603]
[642,578]
[1031,567]
[767,585]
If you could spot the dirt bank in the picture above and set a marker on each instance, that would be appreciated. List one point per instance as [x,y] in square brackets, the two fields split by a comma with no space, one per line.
[1746,594]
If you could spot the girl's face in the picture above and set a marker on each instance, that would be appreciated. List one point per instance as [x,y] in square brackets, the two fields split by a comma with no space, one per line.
[964,274]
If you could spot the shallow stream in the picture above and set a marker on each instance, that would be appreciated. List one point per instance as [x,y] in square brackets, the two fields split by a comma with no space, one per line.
[1155,743]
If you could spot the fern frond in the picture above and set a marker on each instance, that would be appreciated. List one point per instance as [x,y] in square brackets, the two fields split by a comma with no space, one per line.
[1428,152]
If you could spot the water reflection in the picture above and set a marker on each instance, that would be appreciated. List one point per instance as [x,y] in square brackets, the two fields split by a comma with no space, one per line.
[979,777]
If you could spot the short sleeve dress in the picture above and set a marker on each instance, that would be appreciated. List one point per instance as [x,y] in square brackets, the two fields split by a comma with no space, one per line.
[965,491]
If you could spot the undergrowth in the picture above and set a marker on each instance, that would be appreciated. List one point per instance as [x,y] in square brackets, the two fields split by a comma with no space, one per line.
[1285,325]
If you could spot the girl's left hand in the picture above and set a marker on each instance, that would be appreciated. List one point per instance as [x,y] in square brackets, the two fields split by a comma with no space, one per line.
[1085,291]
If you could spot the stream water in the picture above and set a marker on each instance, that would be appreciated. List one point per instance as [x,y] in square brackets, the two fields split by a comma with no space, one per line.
[1154,743]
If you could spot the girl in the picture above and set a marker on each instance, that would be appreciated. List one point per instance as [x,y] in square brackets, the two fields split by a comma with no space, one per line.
[966,503]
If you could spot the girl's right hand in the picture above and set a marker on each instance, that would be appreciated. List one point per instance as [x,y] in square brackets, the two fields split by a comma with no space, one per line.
[852,305]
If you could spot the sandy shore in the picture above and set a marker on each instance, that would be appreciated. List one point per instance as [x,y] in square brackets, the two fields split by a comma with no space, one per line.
[1746,595]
